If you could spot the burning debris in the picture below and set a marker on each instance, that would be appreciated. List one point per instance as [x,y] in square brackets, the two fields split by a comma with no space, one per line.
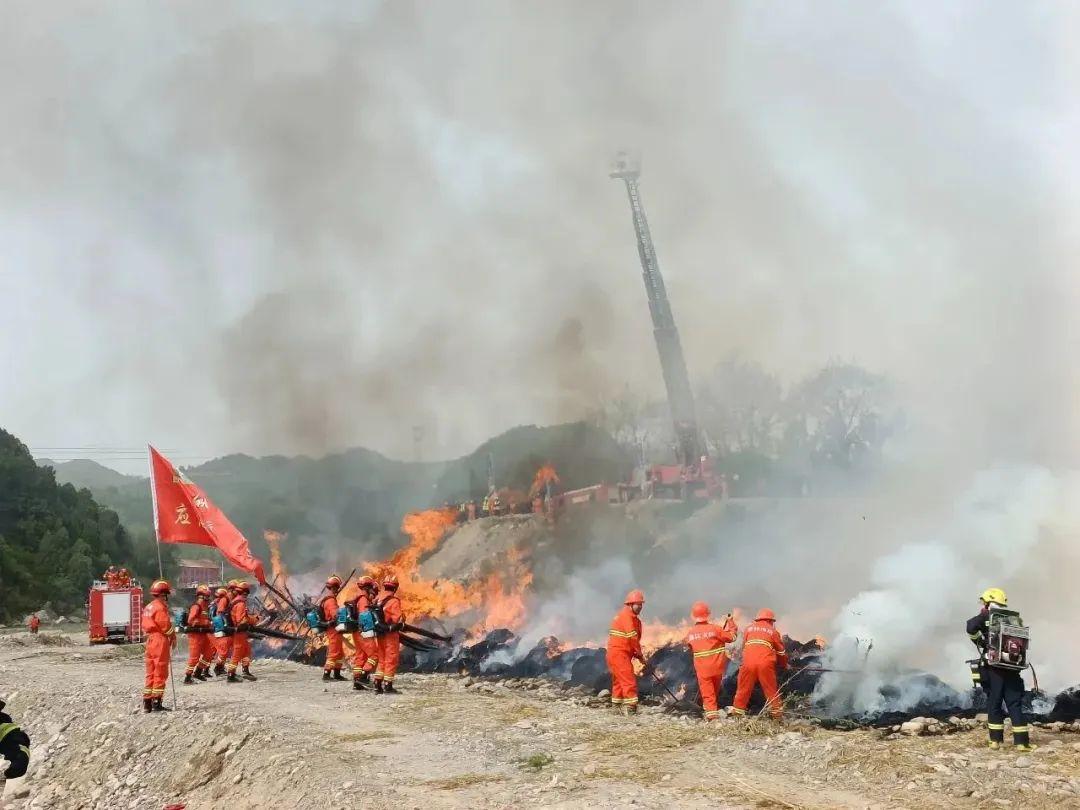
[485,622]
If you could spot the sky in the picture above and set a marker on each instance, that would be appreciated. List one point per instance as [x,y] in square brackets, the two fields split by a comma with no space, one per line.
[265,227]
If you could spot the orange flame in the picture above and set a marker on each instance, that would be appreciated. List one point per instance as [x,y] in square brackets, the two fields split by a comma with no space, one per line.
[273,541]
[496,599]
[546,474]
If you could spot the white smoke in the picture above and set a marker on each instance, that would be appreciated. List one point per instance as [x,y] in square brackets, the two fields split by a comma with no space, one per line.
[923,591]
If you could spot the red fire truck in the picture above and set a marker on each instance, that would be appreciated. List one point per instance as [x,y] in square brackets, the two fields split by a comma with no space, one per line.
[115,613]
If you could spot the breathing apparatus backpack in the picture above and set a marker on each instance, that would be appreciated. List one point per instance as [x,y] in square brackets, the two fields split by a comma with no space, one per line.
[1006,640]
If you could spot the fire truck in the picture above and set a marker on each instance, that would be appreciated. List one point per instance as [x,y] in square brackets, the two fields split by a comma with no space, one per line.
[115,613]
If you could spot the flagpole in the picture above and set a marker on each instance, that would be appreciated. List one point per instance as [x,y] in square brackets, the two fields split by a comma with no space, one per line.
[153,500]
[161,570]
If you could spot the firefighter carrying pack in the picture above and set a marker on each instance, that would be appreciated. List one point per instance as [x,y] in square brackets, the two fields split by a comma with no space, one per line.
[1007,640]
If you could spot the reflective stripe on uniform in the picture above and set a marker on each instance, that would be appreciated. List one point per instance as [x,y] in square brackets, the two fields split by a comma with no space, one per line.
[706,653]
[761,642]
[7,728]
[1020,729]
[630,700]
[996,726]
[621,634]
[737,710]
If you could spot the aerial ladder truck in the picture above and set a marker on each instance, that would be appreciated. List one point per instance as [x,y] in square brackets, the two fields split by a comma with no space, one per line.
[692,476]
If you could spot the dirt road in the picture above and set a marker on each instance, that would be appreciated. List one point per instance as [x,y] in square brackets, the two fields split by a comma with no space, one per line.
[290,740]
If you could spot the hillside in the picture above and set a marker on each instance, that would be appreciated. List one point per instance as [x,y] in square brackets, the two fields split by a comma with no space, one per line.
[54,538]
[351,503]
[83,473]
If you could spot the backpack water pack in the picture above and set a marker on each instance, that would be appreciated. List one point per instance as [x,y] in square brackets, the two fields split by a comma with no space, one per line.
[366,620]
[346,622]
[312,618]
[1007,640]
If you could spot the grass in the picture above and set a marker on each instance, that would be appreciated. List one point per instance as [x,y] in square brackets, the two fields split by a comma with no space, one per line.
[537,761]
[644,739]
[514,713]
[464,780]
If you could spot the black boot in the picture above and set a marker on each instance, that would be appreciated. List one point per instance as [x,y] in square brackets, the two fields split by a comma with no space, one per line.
[338,676]
[378,687]
[202,674]
[248,676]
[148,705]
[390,690]
[358,685]
[159,706]
[326,674]
[188,680]
[232,678]
[219,669]
[364,677]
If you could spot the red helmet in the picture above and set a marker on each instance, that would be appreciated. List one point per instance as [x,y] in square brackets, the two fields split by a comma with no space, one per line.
[765,615]
[367,582]
[243,587]
[635,597]
[390,582]
[160,587]
[203,590]
[232,584]
[699,611]
[333,581]
[221,592]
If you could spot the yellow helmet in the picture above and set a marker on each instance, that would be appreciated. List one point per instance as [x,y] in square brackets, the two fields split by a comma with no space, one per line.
[995,595]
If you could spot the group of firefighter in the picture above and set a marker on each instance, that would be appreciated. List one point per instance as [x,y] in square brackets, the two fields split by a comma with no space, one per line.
[764,653]
[374,619]
[218,626]
[224,651]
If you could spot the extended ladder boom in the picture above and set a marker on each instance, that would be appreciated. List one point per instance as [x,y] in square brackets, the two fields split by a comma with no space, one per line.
[668,345]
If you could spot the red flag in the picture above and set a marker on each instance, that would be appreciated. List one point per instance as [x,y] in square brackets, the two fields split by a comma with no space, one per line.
[183,514]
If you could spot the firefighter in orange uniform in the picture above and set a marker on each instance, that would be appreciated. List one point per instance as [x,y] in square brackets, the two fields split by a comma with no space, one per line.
[624,646]
[198,634]
[111,576]
[366,646]
[241,620]
[34,623]
[335,647]
[707,642]
[160,635]
[223,645]
[389,637]
[763,649]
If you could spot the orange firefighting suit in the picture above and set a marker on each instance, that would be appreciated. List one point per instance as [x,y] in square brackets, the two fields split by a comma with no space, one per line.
[335,649]
[624,645]
[390,641]
[160,636]
[367,649]
[707,642]
[223,645]
[762,650]
[241,647]
[198,637]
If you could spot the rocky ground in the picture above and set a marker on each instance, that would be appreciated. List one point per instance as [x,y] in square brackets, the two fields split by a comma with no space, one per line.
[290,740]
